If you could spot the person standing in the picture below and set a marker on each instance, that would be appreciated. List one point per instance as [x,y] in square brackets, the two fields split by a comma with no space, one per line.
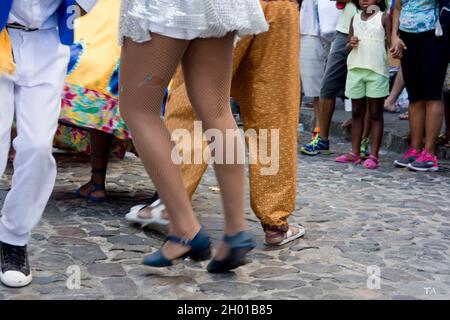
[368,76]
[333,83]
[155,41]
[268,90]
[424,51]
[315,47]
[31,84]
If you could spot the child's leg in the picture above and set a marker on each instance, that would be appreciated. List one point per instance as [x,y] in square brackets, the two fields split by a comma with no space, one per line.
[376,107]
[358,114]
[6,119]
[367,126]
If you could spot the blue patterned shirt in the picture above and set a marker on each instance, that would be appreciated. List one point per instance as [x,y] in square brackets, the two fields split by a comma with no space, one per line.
[419,15]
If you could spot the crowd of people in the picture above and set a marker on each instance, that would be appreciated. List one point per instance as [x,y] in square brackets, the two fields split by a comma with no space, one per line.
[408,36]
[185,64]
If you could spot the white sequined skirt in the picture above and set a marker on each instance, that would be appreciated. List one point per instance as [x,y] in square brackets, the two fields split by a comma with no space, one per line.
[190,19]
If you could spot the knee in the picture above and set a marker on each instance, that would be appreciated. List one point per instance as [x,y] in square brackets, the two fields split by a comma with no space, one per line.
[376,116]
[357,113]
[39,150]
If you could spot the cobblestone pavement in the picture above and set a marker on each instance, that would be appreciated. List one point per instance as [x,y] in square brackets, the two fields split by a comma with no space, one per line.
[393,219]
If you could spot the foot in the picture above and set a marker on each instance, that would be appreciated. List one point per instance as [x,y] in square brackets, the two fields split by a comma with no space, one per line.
[316,146]
[404,116]
[408,157]
[15,268]
[425,162]
[350,157]
[443,139]
[371,162]
[154,213]
[347,123]
[196,246]
[278,238]
[232,252]
[90,189]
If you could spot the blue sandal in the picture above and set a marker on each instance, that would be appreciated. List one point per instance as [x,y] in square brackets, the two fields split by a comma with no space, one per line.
[94,187]
[200,250]
[240,244]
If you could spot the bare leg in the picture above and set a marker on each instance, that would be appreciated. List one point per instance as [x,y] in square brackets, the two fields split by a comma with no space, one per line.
[358,115]
[326,110]
[101,143]
[447,113]
[417,124]
[207,68]
[397,88]
[367,126]
[377,124]
[316,103]
[433,123]
[209,89]
[145,71]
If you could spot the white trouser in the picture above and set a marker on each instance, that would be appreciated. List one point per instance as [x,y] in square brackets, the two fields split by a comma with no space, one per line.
[33,94]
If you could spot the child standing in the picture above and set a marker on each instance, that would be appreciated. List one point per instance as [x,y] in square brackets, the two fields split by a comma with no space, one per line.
[368,76]
[33,67]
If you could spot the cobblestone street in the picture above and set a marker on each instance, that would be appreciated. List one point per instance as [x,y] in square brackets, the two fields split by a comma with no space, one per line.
[394,219]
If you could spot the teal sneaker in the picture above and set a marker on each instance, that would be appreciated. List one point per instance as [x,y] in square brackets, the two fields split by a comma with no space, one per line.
[364,150]
[316,146]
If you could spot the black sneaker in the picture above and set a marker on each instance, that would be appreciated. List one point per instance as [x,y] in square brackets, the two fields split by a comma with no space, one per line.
[408,157]
[15,269]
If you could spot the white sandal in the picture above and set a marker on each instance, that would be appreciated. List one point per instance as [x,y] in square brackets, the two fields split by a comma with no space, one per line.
[290,236]
[157,208]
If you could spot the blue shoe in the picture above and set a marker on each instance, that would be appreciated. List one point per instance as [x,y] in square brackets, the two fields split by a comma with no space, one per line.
[239,245]
[316,146]
[94,187]
[200,250]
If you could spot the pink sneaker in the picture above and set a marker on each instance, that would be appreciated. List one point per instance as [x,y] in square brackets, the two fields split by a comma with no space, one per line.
[349,158]
[425,162]
[371,162]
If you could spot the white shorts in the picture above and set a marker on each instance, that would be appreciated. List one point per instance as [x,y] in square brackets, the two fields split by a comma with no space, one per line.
[313,59]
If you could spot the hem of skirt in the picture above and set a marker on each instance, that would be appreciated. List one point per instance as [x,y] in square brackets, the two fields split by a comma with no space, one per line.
[176,33]
[87,127]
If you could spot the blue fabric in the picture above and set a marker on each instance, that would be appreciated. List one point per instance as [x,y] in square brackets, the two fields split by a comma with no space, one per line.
[5,8]
[66,14]
[419,15]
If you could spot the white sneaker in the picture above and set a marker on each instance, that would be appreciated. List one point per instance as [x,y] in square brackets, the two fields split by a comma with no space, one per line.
[15,268]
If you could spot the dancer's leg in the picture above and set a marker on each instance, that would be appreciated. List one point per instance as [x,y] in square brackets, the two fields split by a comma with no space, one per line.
[146,69]
[207,67]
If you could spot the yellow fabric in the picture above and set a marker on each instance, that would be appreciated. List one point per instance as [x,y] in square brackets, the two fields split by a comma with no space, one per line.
[102,52]
[266,83]
[7,65]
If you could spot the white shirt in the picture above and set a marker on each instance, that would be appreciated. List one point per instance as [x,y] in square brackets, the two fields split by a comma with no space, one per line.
[309,21]
[40,14]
